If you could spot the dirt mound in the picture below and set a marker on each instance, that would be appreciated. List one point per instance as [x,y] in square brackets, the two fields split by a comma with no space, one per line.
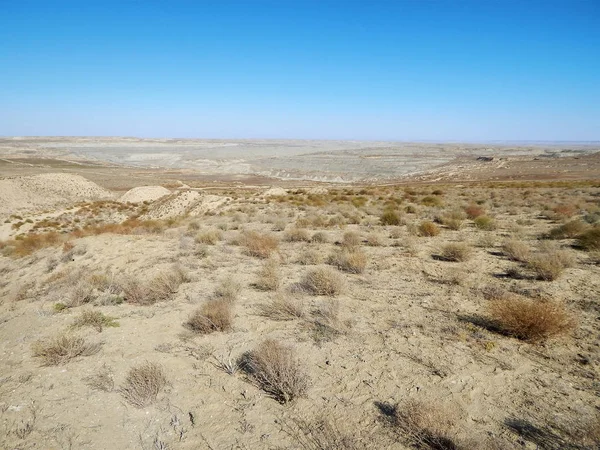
[46,191]
[144,193]
[182,203]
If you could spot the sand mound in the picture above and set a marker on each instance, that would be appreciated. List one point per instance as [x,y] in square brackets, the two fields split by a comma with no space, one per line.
[46,191]
[274,192]
[182,203]
[144,193]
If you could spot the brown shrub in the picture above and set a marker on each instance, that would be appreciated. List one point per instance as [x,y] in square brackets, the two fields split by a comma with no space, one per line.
[390,217]
[282,308]
[568,230]
[590,240]
[214,315]
[228,289]
[530,320]
[94,319]
[319,238]
[297,235]
[473,211]
[143,384]
[26,245]
[209,237]
[276,370]
[485,223]
[456,251]
[323,281]
[428,228]
[374,240]
[268,276]
[516,250]
[160,288]
[259,245]
[310,256]
[62,348]
[351,239]
[351,261]
[550,265]
[564,210]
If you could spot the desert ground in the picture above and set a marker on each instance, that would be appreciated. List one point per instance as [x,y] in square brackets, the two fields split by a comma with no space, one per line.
[151,300]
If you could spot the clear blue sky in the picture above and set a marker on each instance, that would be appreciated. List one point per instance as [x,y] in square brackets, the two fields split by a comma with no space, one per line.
[401,70]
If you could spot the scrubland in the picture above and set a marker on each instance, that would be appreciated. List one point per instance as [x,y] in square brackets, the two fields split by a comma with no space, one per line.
[409,316]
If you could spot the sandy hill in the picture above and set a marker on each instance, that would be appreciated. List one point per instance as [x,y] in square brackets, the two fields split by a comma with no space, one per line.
[45,191]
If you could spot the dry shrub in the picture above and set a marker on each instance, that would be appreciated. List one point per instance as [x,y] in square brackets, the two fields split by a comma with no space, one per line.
[322,433]
[94,319]
[396,232]
[530,320]
[297,235]
[428,228]
[259,245]
[456,251]
[143,384]
[62,348]
[310,256]
[427,425]
[319,238]
[276,370]
[549,265]
[516,250]
[228,289]
[454,219]
[162,287]
[474,211]
[351,261]
[282,307]
[390,217]
[326,324]
[564,210]
[590,240]
[323,281]
[374,240]
[485,223]
[209,237]
[214,315]
[268,276]
[102,380]
[568,230]
[81,293]
[351,239]
[26,245]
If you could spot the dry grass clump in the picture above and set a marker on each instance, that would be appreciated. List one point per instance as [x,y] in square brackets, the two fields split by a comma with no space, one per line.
[322,433]
[374,240]
[259,245]
[297,235]
[530,320]
[474,211]
[28,244]
[456,251]
[209,237]
[390,217]
[143,384]
[564,210]
[351,261]
[326,324]
[282,307]
[428,228]
[310,256]
[62,348]
[214,315]
[453,220]
[549,265]
[426,425]
[102,380]
[568,230]
[94,319]
[276,370]
[268,278]
[516,250]
[590,240]
[351,239]
[228,289]
[162,287]
[319,238]
[485,223]
[323,281]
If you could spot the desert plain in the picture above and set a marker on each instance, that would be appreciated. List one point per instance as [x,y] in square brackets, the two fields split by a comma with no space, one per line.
[240,294]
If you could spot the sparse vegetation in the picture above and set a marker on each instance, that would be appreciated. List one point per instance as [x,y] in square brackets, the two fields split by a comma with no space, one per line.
[259,245]
[351,261]
[282,307]
[268,278]
[456,251]
[94,319]
[214,315]
[590,240]
[428,228]
[62,348]
[143,384]
[516,250]
[323,281]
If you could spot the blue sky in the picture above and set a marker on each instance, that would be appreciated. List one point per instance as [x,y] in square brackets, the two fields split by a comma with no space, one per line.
[382,70]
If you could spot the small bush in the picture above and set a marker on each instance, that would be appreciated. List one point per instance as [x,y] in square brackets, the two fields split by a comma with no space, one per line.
[485,223]
[374,240]
[297,235]
[564,210]
[209,237]
[431,201]
[456,252]
[214,315]
[590,240]
[62,348]
[428,228]
[310,256]
[351,239]
[354,261]
[259,245]
[323,281]
[474,211]
[228,290]
[282,308]
[568,230]
[550,265]
[516,250]
[160,288]
[390,218]
[530,320]
[143,384]
[268,276]
[319,238]
[276,370]
[94,319]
